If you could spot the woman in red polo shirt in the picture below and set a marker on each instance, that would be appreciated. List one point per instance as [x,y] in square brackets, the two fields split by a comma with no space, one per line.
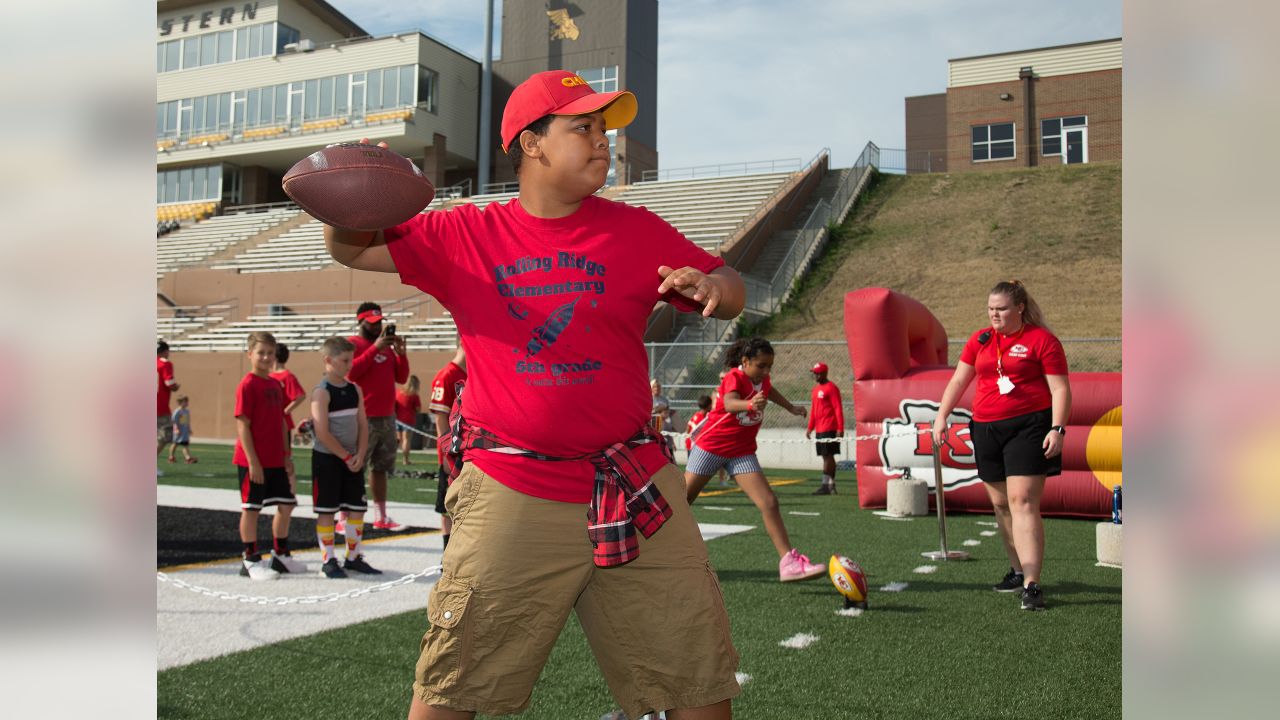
[1020,411]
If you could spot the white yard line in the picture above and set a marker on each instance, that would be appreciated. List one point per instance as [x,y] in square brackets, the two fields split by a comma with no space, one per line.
[192,627]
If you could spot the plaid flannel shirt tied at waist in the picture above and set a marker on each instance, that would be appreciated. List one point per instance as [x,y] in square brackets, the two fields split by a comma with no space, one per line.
[623,500]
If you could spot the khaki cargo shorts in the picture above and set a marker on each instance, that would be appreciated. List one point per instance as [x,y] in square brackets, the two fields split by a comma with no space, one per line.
[517,565]
[383,444]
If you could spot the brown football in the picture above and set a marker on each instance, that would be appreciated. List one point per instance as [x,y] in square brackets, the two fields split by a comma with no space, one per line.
[358,187]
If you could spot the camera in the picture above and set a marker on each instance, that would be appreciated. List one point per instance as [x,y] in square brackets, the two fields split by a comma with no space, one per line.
[391,329]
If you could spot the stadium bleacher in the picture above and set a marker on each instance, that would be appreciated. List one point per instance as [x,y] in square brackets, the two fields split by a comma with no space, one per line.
[299,331]
[706,211]
[173,323]
[195,243]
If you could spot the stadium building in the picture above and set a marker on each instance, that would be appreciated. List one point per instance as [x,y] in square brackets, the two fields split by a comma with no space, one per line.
[1047,106]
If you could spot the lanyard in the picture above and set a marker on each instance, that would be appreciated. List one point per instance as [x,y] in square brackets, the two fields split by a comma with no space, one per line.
[1000,350]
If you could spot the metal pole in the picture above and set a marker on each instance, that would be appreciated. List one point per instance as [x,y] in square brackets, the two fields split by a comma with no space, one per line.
[486,100]
[940,503]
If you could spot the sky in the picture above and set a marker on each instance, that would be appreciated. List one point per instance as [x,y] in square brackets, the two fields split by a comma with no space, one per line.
[748,80]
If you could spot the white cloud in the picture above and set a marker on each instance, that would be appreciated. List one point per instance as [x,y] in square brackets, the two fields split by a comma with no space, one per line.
[756,80]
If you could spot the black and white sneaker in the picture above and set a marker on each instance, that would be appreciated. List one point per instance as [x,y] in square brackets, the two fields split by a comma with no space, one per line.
[286,564]
[1012,582]
[257,569]
[825,490]
[331,570]
[357,564]
[1032,597]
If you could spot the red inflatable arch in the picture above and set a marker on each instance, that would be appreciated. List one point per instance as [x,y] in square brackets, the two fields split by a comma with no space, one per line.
[898,350]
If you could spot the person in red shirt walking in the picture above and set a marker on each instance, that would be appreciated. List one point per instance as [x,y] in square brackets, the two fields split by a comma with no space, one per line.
[167,386]
[408,405]
[294,394]
[826,418]
[381,363]
[264,463]
[728,440]
[443,393]
[1020,411]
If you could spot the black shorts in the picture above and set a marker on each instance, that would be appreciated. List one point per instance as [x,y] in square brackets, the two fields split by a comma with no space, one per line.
[827,449]
[442,487]
[1014,446]
[334,487]
[274,490]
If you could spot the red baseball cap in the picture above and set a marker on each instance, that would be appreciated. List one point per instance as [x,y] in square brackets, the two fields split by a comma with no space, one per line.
[819,367]
[560,92]
[370,316]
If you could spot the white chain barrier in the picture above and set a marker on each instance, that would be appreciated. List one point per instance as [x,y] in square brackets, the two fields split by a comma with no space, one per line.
[303,600]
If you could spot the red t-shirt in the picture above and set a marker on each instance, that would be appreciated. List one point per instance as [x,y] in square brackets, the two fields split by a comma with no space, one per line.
[694,422]
[407,407]
[164,369]
[1028,355]
[442,388]
[377,372]
[733,434]
[261,399]
[292,391]
[551,313]
[826,411]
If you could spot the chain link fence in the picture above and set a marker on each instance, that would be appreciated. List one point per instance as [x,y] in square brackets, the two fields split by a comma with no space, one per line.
[791,376]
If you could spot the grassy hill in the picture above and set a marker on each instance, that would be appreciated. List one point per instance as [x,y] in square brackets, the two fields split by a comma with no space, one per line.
[945,239]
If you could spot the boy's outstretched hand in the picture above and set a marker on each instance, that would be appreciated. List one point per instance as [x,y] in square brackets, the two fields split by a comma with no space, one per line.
[693,284]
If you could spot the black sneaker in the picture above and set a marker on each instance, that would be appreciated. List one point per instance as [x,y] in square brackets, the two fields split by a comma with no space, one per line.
[1032,597]
[357,564]
[825,490]
[1012,582]
[331,570]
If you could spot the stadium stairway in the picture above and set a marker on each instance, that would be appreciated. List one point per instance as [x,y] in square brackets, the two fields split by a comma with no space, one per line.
[779,244]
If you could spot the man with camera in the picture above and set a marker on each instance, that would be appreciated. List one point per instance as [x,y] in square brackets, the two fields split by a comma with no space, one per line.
[381,362]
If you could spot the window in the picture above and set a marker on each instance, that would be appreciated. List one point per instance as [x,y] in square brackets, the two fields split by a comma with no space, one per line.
[225,39]
[601,79]
[407,74]
[1051,132]
[427,89]
[171,59]
[284,36]
[993,142]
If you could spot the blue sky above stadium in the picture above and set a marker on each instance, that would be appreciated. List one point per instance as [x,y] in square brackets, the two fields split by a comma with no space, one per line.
[754,80]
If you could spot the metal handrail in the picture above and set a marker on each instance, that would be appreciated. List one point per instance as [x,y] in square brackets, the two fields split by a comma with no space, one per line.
[260,207]
[696,171]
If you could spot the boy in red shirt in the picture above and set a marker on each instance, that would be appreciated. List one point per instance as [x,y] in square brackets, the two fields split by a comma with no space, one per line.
[294,394]
[826,417]
[443,393]
[167,385]
[551,292]
[264,463]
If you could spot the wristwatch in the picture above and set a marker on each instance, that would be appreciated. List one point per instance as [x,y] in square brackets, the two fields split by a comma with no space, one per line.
[1062,430]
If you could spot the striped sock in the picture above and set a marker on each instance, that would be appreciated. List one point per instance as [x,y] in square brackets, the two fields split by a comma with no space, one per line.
[355,531]
[280,545]
[324,533]
[251,550]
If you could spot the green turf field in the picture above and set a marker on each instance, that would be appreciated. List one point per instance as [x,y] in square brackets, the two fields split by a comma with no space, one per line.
[945,647]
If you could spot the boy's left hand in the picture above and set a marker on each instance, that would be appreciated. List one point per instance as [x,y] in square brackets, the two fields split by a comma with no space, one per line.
[288,468]
[693,284]
[398,344]
[798,412]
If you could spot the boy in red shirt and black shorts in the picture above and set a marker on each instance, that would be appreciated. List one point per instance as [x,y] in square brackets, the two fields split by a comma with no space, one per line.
[551,292]
[443,393]
[264,463]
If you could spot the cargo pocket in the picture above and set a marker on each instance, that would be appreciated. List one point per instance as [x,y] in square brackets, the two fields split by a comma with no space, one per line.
[462,492]
[445,648]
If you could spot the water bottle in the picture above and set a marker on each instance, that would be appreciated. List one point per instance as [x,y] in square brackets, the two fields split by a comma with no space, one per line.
[1117,509]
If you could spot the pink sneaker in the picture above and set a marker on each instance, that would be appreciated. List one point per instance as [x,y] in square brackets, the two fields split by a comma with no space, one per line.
[794,566]
[387,523]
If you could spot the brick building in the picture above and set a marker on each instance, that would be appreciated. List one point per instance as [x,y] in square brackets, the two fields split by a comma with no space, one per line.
[1046,106]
